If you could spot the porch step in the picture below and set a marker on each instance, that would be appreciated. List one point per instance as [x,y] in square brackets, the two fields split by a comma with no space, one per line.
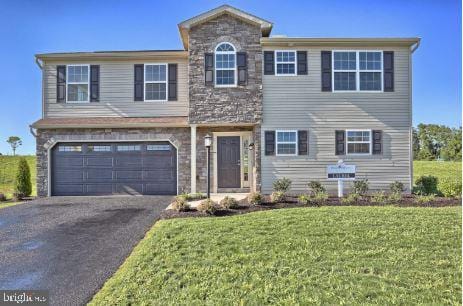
[233,190]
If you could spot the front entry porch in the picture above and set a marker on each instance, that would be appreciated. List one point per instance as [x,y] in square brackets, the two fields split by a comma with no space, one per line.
[232,159]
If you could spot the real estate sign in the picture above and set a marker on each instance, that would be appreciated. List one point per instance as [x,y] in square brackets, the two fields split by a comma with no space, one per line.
[340,172]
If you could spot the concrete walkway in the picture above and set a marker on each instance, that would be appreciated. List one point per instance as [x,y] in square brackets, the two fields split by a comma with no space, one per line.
[217,197]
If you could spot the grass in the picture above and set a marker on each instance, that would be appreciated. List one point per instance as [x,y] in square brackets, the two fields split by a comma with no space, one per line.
[8,168]
[442,170]
[328,255]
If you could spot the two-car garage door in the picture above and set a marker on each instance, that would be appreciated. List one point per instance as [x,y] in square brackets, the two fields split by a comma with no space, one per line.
[114,168]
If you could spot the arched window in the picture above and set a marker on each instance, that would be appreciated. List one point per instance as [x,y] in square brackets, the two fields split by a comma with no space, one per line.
[225,65]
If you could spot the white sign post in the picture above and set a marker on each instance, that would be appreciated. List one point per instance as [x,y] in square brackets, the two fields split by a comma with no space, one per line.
[340,172]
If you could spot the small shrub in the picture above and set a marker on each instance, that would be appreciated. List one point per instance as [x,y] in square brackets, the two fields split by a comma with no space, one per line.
[379,197]
[396,187]
[229,202]
[278,197]
[255,198]
[360,187]
[450,188]
[282,185]
[303,199]
[351,199]
[196,196]
[394,198]
[208,206]
[426,185]
[319,198]
[23,185]
[180,204]
[316,187]
[2,197]
[424,199]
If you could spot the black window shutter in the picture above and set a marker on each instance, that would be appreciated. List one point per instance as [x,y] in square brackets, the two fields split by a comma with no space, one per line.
[377,142]
[302,62]
[269,62]
[326,70]
[303,142]
[94,83]
[172,82]
[388,66]
[61,83]
[138,81]
[242,65]
[269,142]
[340,142]
[209,68]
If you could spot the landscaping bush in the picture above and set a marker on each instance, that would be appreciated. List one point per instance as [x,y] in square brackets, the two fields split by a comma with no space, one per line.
[22,184]
[2,197]
[229,202]
[424,199]
[426,185]
[379,197]
[316,187]
[394,198]
[282,185]
[208,206]
[303,199]
[180,203]
[360,187]
[255,198]
[396,187]
[319,198]
[278,197]
[450,187]
[351,199]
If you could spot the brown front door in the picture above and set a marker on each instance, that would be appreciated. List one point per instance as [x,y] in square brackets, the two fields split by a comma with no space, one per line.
[228,162]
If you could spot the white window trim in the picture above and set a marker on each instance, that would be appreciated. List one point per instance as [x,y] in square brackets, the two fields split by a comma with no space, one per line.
[70,83]
[155,82]
[284,142]
[276,63]
[357,71]
[235,69]
[370,142]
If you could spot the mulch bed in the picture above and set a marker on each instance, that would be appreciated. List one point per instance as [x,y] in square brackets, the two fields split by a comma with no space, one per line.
[407,201]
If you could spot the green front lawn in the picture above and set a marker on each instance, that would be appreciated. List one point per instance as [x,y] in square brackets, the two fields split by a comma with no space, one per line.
[328,255]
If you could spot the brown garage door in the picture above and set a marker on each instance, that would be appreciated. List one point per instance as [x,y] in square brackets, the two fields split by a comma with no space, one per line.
[114,168]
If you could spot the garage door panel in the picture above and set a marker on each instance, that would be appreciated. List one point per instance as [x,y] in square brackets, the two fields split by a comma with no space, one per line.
[129,188]
[128,161]
[100,174]
[100,161]
[71,161]
[125,169]
[69,176]
[161,175]
[68,189]
[97,189]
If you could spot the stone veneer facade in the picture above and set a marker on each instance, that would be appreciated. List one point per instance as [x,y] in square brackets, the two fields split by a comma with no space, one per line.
[241,104]
[179,137]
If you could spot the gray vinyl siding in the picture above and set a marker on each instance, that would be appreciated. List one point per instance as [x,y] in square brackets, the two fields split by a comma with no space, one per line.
[116,93]
[297,102]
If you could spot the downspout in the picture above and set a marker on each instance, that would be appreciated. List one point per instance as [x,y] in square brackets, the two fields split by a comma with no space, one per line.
[410,92]
[31,129]
[40,64]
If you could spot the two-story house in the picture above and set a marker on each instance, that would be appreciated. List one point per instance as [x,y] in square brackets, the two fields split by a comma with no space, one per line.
[134,122]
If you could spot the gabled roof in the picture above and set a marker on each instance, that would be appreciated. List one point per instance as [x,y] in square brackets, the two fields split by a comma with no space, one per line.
[185,26]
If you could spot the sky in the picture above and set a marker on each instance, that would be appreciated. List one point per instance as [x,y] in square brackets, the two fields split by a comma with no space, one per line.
[30,27]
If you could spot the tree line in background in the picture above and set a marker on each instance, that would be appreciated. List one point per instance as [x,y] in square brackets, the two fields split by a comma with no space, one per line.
[436,142]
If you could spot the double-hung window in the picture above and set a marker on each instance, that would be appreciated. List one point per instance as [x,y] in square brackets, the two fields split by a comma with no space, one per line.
[225,65]
[358,142]
[286,142]
[155,82]
[285,63]
[77,80]
[357,70]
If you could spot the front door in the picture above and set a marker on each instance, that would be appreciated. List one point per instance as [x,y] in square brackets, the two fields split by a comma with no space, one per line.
[228,162]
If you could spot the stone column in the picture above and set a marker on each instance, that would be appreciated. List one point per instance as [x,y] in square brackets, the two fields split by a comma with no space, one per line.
[193,158]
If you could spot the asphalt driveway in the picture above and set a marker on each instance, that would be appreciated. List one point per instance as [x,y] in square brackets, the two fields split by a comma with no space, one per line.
[71,245]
